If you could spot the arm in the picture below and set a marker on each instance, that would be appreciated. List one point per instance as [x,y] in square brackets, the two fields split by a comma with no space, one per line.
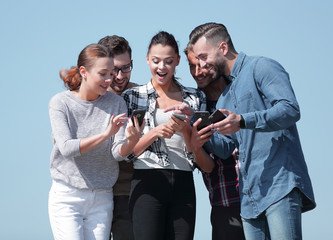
[220,145]
[89,143]
[68,145]
[277,98]
[273,81]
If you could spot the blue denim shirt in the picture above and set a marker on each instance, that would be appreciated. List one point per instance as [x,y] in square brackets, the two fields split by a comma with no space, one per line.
[272,161]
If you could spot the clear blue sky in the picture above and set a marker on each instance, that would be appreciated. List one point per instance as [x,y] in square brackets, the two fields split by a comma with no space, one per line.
[38,38]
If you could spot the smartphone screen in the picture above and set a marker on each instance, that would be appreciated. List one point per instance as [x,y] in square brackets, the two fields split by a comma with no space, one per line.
[140,114]
[179,116]
[204,115]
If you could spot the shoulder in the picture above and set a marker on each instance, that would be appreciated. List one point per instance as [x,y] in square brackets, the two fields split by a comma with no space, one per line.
[132,84]
[264,64]
[112,96]
[137,89]
[194,91]
[58,99]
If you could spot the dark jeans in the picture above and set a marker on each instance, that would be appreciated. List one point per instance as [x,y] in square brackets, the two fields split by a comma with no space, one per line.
[162,204]
[121,223]
[226,223]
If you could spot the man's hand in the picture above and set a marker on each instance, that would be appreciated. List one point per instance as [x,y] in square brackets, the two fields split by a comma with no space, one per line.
[229,125]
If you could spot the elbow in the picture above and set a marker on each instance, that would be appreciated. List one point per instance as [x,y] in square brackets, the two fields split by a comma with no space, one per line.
[69,149]
[205,166]
[68,154]
[208,169]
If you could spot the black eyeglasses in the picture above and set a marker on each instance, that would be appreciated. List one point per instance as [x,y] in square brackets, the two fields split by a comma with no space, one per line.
[124,69]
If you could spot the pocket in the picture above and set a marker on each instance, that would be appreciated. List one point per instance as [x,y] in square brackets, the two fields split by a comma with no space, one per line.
[245,103]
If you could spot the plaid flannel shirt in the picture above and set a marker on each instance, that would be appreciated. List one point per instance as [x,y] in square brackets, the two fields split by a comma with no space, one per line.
[222,182]
[144,97]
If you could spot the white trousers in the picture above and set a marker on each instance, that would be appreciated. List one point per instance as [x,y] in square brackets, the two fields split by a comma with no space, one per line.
[77,214]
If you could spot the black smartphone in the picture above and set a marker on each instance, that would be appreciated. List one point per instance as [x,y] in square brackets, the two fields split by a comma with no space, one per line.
[140,114]
[204,115]
[179,116]
[216,116]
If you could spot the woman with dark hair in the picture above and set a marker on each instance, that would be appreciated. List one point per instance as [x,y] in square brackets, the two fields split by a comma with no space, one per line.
[162,201]
[89,137]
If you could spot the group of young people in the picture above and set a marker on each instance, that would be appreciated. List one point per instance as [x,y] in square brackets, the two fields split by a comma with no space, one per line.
[112,174]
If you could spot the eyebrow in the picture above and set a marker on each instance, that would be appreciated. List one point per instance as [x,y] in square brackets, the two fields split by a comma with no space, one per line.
[124,65]
[165,58]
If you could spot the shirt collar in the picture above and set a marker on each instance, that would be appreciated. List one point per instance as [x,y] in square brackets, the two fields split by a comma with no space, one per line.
[237,66]
[151,90]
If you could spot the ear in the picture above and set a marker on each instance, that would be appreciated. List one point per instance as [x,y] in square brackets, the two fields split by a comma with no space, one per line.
[224,48]
[178,60]
[83,72]
[147,58]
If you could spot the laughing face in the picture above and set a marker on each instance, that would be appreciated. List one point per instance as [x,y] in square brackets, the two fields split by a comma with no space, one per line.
[162,61]
[202,76]
[121,79]
[210,57]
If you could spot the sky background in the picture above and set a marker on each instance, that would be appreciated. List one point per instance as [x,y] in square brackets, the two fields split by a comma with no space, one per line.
[38,38]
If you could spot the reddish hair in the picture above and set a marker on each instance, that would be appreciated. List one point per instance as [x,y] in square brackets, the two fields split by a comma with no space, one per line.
[87,57]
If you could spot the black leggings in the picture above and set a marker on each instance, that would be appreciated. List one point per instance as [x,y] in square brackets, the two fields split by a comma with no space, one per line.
[162,204]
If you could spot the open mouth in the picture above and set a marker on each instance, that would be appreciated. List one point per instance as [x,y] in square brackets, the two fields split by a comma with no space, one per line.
[104,87]
[162,74]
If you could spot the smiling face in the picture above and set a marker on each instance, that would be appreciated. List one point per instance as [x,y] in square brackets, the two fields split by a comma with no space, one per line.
[121,80]
[203,77]
[97,79]
[162,61]
[210,57]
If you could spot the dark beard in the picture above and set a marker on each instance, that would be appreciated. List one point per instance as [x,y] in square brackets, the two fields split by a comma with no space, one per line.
[219,67]
[117,89]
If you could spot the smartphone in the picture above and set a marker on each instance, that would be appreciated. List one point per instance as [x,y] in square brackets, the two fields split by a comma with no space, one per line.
[204,115]
[140,114]
[179,116]
[216,116]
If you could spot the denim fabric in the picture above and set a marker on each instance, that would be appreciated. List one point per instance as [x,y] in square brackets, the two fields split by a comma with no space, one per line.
[272,161]
[281,221]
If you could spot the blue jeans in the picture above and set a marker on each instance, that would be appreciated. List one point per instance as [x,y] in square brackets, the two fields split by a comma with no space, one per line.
[280,221]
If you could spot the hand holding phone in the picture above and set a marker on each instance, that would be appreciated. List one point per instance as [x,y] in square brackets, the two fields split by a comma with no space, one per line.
[140,114]
[216,116]
[204,115]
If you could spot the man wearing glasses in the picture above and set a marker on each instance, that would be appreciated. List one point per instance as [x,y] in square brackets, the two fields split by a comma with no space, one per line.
[121,224]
